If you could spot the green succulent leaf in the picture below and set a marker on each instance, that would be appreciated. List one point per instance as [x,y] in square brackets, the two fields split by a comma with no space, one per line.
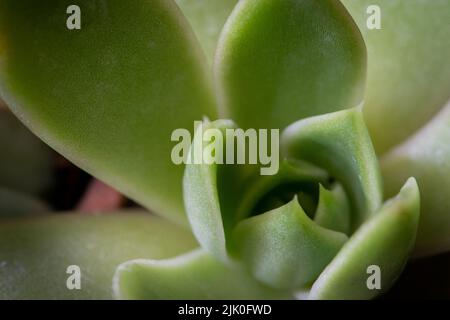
[284,248]
[36,252]
[14,204]
[408,69]
[217,196]
[334,211]
[386,241]
[108,96]
[195,275]
[293,172]
[426,156]
[207,18]
[201,195]
[25,162]
[339,143]
[274,61]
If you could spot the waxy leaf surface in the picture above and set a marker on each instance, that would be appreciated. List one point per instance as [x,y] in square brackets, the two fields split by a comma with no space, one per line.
[36,252]
[109,95]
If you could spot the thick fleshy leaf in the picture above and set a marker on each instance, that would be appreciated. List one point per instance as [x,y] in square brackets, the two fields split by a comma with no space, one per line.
[339,143]
[385,241]
[195,275]
[217,196]
[408,65]
[299,174]
[207,18]
[287,60]
[333,211]
[25,161]
[284,248]
[201,195]
[426,156]
[35,253]
[14,204]
[107,96]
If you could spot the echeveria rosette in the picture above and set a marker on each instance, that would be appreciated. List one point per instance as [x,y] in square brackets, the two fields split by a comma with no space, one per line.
[283,248]
[108,97]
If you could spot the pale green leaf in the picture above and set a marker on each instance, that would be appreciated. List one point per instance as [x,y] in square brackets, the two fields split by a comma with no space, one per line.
[333,211]
[408,65]
[284,248]
[201,195]
[207,18]
[281,61]
[426,156]
[35,253]
[195,275]
[108,96]
[339,143]
[301,175]
[385,241]
[217,196]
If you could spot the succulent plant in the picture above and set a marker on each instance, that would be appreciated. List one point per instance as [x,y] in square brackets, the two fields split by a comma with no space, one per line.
[109,95]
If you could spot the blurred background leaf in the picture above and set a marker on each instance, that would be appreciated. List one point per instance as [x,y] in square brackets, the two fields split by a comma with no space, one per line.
[408,66]
[207,18]
[426,156]
[35,252]
[25,161]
